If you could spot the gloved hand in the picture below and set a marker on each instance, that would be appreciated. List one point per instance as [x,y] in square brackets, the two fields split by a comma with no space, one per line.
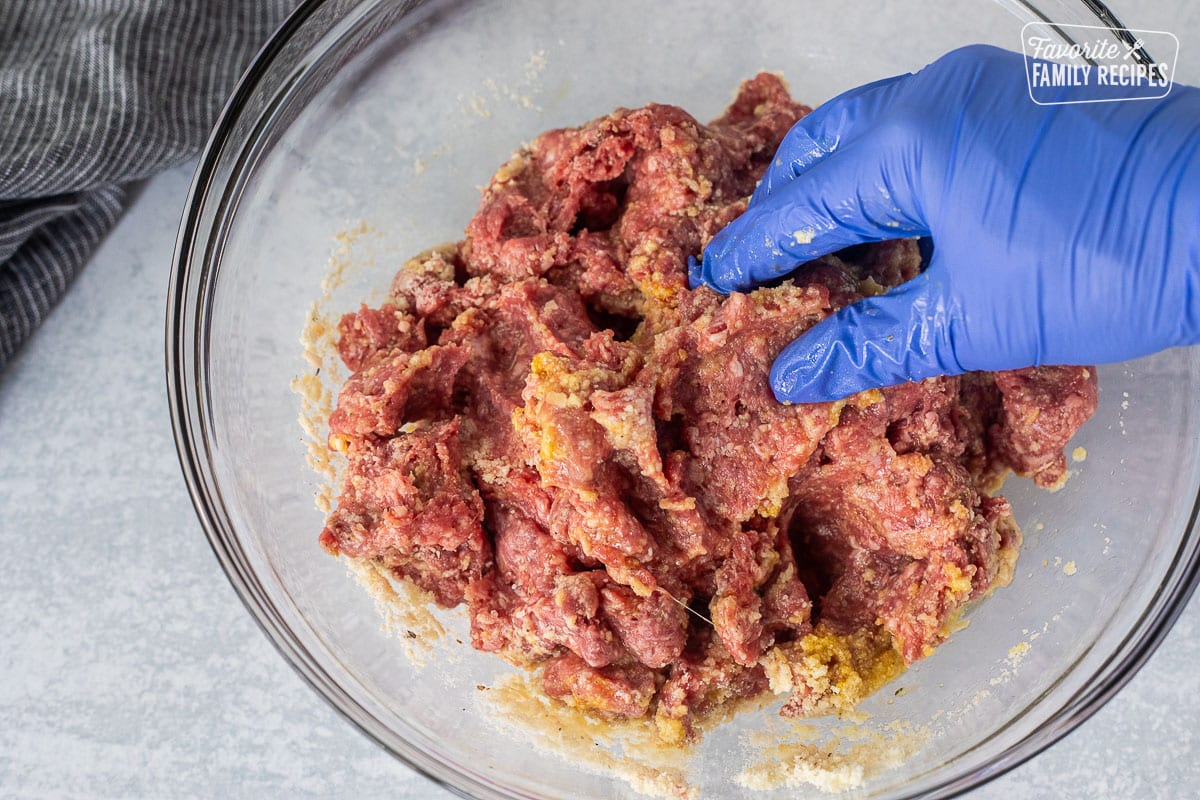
[1063,234]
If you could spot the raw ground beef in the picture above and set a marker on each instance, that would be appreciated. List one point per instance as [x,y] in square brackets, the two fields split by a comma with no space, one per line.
[546,425]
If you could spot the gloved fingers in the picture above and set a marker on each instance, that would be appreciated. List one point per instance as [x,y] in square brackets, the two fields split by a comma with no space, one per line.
[905,335]
[831,125]
[862,193]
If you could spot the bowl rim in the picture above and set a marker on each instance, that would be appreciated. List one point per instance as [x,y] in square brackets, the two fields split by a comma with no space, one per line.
[184,357]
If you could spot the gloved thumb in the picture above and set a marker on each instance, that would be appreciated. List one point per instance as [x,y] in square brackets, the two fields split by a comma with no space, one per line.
[905,335]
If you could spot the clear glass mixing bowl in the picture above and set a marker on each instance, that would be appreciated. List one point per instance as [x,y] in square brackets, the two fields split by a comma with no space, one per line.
[392,113]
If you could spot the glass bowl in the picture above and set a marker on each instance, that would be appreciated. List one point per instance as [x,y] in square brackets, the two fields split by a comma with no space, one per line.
[376,121]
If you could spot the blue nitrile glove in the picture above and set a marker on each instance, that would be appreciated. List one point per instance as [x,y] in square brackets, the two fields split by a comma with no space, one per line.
[1062,234]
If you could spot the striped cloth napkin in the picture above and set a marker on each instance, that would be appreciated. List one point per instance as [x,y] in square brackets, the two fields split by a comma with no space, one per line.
[94,95]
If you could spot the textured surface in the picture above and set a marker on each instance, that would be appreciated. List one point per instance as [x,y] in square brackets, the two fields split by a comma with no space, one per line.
[131,670]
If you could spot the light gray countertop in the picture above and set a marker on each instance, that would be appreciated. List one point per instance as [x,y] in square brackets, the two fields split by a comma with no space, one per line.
[128,666]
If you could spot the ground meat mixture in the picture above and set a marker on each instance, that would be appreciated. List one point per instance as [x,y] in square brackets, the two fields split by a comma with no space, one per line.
[544,424]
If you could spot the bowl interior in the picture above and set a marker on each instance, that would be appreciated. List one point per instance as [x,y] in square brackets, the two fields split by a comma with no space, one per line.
[381,132]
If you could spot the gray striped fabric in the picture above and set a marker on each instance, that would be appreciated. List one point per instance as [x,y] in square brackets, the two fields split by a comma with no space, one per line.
[96,94]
